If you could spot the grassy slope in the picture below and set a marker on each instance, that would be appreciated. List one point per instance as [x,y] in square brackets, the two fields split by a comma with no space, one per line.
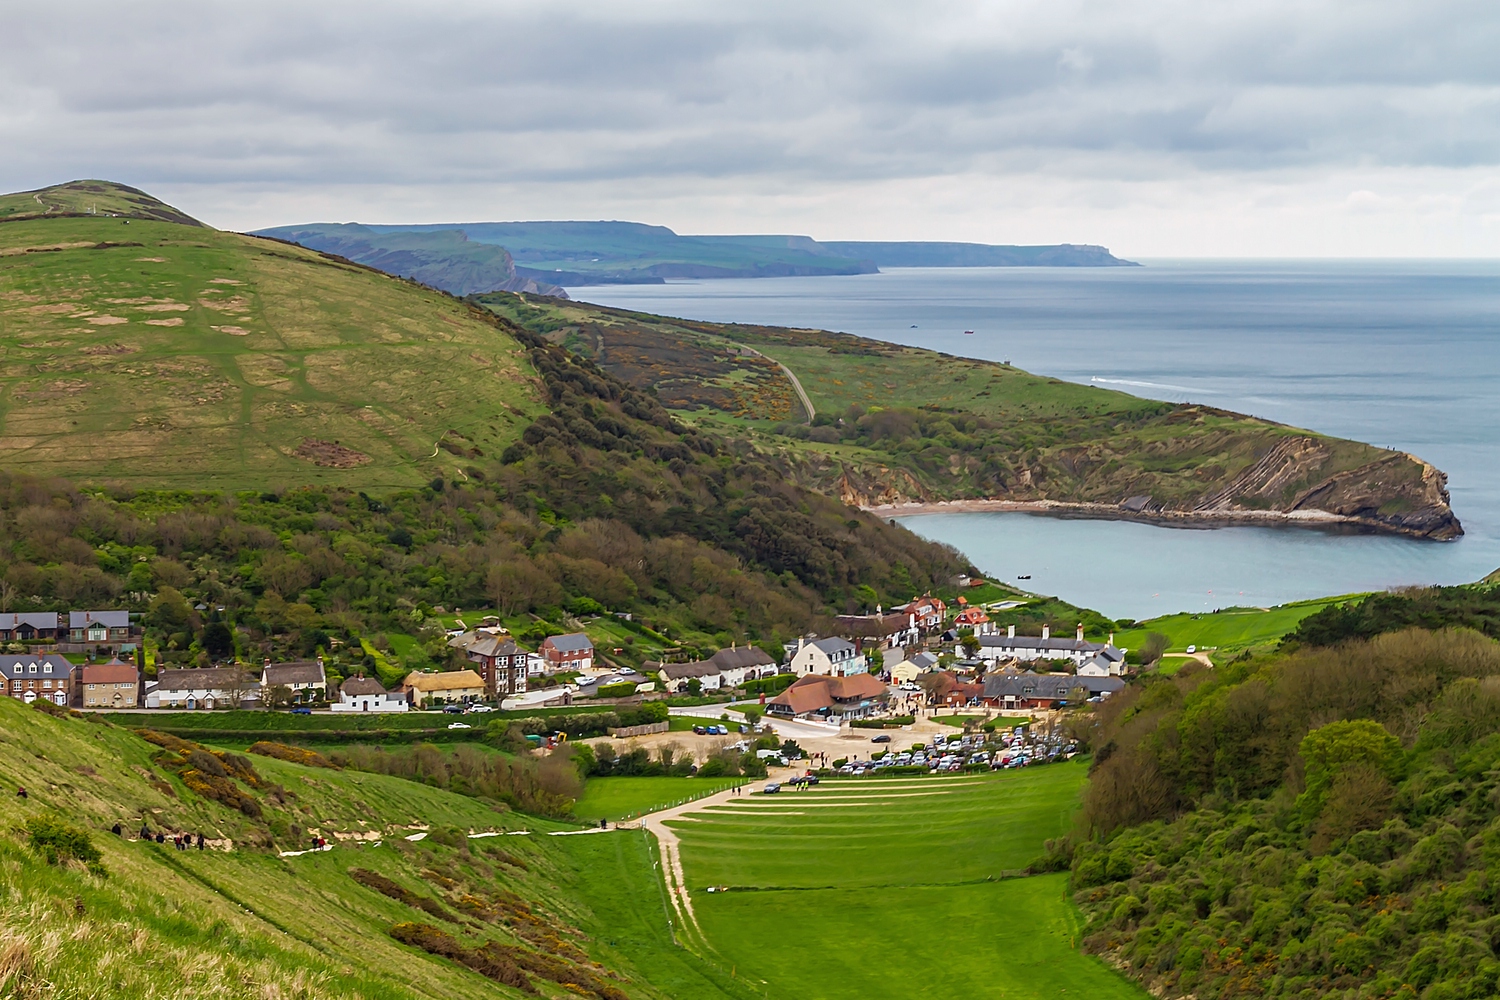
[1228,631]
[268,346]
[1080,443]
[249,924]
[985,825]
[913,905]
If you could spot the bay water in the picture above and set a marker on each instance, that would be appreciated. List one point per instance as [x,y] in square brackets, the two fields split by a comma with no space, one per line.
[1403,354]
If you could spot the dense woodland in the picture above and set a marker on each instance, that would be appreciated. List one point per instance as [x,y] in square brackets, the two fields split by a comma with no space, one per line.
[1319,822]
[606,503]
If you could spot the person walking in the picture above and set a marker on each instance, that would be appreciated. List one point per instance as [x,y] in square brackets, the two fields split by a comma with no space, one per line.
[115,829]
[201,841]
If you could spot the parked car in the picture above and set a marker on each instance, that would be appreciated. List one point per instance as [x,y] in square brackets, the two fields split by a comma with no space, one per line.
[700,731]
[459,725]
[480,708]
[453,709]
[302,710]
[772,788]
[882,738]
[1192,649]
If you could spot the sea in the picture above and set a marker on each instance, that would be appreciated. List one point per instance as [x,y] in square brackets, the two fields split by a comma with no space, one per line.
[1399,353]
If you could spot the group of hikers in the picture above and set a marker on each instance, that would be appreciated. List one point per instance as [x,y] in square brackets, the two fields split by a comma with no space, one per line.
[181,841]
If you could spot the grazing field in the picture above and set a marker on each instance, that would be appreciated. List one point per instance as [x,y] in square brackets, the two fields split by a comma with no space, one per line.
[185,357]
[1230,630]
[852,887]
[891,832]
[622,798]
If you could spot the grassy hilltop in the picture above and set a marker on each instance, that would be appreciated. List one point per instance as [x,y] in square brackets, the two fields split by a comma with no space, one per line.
[156,352]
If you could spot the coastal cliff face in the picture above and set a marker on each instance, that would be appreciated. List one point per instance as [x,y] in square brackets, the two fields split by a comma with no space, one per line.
[1397,493]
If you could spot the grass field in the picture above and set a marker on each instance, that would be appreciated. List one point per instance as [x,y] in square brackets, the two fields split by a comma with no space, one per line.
[202,359]
[1228,631]
[851,888]
[922,830]
[623,798]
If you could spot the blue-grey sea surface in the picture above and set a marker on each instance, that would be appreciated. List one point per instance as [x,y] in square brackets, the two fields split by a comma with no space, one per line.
[1404,354]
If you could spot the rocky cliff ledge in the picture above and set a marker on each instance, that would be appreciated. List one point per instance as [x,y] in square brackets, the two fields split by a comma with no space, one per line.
[1397,493]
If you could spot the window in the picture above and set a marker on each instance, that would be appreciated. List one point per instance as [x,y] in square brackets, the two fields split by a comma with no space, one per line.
[47,684]
[46,668]
[31,669]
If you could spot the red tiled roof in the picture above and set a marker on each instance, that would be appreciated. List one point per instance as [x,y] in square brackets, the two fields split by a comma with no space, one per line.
[109,673]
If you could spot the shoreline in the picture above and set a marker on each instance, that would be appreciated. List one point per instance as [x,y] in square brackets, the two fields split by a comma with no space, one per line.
[1321,519]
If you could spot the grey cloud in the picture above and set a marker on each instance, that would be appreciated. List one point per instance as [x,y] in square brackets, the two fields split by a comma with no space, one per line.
[558,93]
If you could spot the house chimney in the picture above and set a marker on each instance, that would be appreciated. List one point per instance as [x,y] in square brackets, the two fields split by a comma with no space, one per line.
[1046,632]
[1010,631]
[1080,631]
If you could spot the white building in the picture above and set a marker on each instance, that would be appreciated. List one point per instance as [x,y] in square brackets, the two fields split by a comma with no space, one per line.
[214,687]
[829,657]
[1076,651]
[365,694]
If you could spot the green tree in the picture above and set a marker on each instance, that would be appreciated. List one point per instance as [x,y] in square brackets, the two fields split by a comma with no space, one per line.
[169,610]
[1329,751]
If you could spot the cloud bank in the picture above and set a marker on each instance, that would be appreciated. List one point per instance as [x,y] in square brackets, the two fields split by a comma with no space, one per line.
[1155,127]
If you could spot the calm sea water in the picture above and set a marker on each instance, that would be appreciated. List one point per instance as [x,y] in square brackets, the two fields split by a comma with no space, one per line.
[1404,354]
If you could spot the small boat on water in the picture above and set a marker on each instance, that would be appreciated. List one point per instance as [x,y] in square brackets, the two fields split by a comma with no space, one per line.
[968,333]
[1024,576]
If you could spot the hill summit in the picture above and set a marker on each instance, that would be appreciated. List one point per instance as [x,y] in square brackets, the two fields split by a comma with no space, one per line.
[90,198]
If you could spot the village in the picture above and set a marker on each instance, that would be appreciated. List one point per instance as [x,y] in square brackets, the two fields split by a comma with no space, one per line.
[898,670]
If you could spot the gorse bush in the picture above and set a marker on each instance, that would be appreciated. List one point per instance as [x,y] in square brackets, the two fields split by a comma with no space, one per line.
[1314,824]
[59,842]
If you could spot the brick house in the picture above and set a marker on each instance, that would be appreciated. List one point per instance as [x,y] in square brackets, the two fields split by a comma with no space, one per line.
[49,676]
[29,626]
[501,663]
[101,628]
[568,652]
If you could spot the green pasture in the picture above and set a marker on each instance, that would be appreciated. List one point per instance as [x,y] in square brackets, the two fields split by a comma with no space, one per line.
[843,890]
[1014,939]
[622,798]
[1229,630]
[188,357]
[891,832]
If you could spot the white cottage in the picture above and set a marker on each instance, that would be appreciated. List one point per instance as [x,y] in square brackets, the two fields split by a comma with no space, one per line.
[365,694]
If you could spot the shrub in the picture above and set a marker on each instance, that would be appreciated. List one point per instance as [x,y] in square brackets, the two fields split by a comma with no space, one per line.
[59,842]
[295,755]
[622,690]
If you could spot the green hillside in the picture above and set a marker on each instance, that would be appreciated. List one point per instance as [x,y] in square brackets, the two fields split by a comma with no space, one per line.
[893,424]
[147,351]
[106,198]
[1318,823]
[237,920]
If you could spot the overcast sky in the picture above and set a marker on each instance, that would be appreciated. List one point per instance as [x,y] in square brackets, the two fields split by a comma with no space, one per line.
[1156,128]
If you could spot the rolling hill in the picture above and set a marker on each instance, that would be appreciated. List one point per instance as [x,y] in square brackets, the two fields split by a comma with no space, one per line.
[139,350]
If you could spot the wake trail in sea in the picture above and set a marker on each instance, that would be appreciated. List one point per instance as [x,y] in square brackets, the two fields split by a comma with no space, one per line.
[1149,385]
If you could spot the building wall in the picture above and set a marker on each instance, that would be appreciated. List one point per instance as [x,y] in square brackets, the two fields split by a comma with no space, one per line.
[103,695]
